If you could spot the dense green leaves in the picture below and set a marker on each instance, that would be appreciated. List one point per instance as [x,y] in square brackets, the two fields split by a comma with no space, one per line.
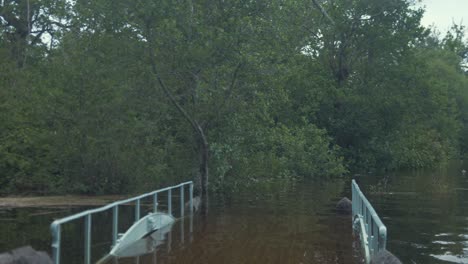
[122,96]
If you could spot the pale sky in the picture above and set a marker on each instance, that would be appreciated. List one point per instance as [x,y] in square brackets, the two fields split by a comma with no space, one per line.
[441,13]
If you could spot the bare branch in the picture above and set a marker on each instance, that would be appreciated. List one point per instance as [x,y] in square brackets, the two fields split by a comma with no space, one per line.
[168,93]
[324,13]
[228,93]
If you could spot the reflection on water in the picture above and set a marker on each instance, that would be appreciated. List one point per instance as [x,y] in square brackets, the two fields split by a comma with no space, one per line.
[296,225]
[28,226]
[293,224]
[426,213]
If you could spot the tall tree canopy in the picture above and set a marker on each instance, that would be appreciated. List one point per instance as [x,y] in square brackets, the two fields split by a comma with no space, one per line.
[121,96]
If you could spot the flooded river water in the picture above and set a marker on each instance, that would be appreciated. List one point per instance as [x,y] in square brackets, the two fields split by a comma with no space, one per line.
[426,214]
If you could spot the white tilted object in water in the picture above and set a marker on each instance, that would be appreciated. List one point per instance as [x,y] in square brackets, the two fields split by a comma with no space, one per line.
[146,244]
[138,230]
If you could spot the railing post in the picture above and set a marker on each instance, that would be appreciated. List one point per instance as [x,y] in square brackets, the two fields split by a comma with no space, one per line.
[182,230]
[191,229]
[155,256]
[87,239]
[353,198]
[182,201]
[169,241]
[191,197]
[115,224]
[169,201]
[382,238]
[155,202]
[137,210]
[56,243]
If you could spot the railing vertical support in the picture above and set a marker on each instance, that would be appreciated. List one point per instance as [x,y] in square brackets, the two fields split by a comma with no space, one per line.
[115,224]
[191,229]
[182,230]
[56,237]
[169,241]
[155,202]
[182,201]
[383,238]
[169,201]
[137,210]
[87,239]
[155,257]
[191,197]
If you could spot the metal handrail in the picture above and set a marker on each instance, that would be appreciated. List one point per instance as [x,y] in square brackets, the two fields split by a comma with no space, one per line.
[55,227]
[359,224]
[368,222]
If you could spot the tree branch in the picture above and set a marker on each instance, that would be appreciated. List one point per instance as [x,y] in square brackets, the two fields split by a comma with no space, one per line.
[168,93]
[324,13]
[231,86]
[228,92]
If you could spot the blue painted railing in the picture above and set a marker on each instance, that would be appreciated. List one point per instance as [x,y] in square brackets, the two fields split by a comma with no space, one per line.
[55,227]
[373,233]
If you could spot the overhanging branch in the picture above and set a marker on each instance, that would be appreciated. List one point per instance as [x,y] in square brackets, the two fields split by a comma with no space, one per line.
[323,11]
[168,93]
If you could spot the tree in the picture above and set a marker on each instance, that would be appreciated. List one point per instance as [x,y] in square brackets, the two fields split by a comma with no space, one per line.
[25,24]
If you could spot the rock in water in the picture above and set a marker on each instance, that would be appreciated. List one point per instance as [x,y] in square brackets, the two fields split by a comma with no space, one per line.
[6,258]
[25,255]
[196,204]
[385,257]
[344,206]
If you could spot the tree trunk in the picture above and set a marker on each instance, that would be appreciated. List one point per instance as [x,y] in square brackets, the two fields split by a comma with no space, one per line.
[204,174]
[197,129]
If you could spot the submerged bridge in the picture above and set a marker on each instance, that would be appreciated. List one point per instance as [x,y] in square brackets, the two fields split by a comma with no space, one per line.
[148,232]
[123,242]
[372,232]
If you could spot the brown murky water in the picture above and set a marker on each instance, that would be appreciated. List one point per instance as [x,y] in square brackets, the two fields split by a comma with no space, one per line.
[289,224]
[295,226]
[426,213]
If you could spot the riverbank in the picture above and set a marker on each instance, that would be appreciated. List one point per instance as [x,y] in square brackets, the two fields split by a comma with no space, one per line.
[58,201]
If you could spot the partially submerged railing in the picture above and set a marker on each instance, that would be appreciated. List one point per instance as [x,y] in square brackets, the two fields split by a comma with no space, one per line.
[373,233]
[87,215]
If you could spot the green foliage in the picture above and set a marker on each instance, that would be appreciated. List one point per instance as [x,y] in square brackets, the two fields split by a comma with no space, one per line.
[280,92]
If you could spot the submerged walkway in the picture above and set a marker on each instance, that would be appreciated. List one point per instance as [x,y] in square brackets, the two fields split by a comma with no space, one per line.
[287,224]
[297,225]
